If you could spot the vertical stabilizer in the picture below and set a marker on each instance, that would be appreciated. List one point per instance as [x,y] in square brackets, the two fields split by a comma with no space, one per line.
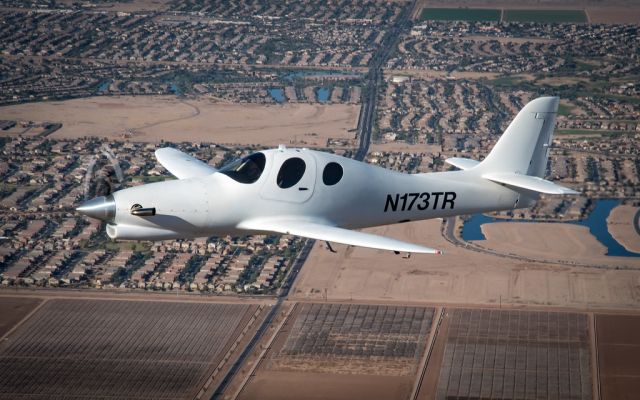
[524,147]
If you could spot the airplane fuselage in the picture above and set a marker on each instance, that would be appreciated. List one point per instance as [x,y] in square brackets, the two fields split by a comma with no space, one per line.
[364,196]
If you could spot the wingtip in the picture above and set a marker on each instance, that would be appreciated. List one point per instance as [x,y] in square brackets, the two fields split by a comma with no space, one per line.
[567,191]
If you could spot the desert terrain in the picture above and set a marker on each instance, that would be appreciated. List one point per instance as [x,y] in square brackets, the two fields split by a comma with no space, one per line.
[156,118]
[621,227]
[551,241]
[464,276]
[128,5]
[398,146]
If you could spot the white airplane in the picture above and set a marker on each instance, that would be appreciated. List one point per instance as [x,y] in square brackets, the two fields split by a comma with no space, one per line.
[323,196]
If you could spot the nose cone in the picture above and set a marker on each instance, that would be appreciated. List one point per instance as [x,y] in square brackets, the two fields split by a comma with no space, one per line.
[103,208]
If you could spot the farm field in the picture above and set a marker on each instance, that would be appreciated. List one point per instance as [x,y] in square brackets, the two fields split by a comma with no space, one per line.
[13,310]
[512,354]
[119,349]
[344,351]
[618,353]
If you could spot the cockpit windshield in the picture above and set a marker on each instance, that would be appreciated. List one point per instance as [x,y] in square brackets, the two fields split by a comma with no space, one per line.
[245,170]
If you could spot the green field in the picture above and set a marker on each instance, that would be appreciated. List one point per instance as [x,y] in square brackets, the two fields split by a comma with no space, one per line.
[564,109]
[507,80]
[578,16]
[461,14]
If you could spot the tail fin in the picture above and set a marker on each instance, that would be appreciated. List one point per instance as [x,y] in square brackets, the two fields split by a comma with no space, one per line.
[519,159]
[524,146]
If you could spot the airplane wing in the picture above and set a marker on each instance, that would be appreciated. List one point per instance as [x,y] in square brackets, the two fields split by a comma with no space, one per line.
[182,165]
[320,231]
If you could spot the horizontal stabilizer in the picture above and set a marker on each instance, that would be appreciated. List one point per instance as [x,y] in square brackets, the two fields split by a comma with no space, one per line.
[462,163]
[182,165]
[320,231]
[532,183]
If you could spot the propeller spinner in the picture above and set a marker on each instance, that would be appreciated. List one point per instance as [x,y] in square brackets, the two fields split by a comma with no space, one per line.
[102,208]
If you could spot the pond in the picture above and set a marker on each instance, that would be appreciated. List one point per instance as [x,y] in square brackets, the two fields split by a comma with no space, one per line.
[173,88]
[277,94]
[322,93]
[104,86]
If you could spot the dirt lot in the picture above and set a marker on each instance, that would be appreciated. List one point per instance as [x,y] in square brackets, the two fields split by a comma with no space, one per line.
[404,147]
[618,352]
[620,224]
[128,5]
[550,242]
[614,15]
[461,275]
[305,385]
[119,349]
[13,310]
[155,118]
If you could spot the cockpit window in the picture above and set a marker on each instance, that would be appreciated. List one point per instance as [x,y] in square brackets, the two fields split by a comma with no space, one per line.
[291,172]
[245,170]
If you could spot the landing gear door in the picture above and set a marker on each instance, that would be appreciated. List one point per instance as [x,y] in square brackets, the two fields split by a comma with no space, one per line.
[292,177]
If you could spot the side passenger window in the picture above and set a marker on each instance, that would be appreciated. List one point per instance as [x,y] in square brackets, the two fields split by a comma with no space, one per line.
[291,172]
[332,174]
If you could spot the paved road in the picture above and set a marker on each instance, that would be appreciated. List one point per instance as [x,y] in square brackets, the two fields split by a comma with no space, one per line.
[374,78]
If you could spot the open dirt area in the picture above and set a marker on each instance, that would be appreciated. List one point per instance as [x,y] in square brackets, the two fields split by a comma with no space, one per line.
[428,74]
[156,118]
[460,275]
[550,242]
[278,385]
[13,310]
[614,15]
[620,223]
[127,5]
[120,349]
[404,147]
[618,354]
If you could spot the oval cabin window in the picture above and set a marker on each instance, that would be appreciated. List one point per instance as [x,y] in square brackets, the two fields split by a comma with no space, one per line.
[291,172]
[332,174]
